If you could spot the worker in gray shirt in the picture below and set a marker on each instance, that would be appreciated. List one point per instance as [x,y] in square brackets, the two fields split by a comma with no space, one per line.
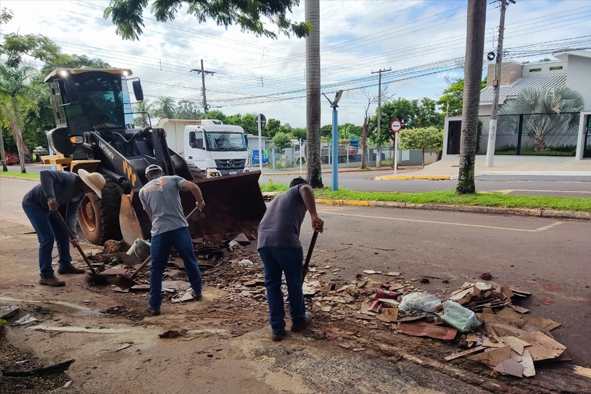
[281,251]
[59,193]
[162,202]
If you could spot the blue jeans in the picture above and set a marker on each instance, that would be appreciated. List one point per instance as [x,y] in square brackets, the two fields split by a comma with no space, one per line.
[49,230]
[160,250]
[276,260]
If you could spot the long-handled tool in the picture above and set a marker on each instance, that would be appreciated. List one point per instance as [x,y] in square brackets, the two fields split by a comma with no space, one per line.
[126,282]
[310,250]
[97,278]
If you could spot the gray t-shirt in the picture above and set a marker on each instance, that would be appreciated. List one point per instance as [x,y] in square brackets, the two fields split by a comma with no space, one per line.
[282,221]
[160,198]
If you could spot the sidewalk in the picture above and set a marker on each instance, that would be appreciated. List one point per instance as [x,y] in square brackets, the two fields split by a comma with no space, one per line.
[513,165]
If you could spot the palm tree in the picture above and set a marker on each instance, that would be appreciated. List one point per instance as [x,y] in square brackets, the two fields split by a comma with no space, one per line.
[16,92]
[313,93]
[471,99]
[165,107]
[143,109]
[555,111]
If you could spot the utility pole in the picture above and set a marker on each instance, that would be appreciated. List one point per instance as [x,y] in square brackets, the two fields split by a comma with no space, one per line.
[492,134]
[379,145]
[471,101]
[203,72]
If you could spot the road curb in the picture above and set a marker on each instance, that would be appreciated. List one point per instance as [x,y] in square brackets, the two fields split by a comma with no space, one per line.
[409,177]
[19,178]
[538,212]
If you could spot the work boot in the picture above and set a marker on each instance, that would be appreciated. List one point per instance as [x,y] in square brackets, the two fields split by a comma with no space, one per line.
[302,326]
[278,337]
[52,282]
[70,269]
[197,296]
[153,312]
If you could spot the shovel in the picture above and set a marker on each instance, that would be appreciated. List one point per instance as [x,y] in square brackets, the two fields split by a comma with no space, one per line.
[97,278]
[310,250]
[126,282]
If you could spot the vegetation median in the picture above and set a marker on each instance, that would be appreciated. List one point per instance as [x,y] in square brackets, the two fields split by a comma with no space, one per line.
[18,174]
[451,198]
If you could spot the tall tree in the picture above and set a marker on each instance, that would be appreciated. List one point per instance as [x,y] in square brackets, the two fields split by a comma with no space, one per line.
[371,99]
[426,114]
[313,109]
[16,92]
[128,15]
[272,128]
[401,109]
[5,17]
[471,102]
[451,101]
[165,107]
[187,109]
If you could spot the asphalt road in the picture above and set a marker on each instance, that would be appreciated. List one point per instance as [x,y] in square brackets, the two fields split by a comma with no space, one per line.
[507,184]
[549,258]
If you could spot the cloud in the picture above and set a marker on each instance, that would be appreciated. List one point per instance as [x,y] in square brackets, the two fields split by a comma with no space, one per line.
[357,37]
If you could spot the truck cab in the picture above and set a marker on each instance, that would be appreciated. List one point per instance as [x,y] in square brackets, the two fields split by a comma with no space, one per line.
[217,149]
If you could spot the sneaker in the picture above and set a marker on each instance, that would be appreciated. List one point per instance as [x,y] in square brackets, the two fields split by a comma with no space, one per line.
[70,269]
[52,282]
[278,337]
[302,326]
[153,312]
[197,296]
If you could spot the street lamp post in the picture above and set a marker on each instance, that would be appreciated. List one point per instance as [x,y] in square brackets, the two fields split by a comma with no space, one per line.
[335,139]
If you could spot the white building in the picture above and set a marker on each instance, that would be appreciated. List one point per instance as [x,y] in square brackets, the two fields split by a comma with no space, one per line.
[571,69]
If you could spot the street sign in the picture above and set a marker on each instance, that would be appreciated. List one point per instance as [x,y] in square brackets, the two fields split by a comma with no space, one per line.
[396,126]
[263,120]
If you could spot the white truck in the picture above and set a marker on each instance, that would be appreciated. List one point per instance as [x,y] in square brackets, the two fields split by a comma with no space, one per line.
[214,147]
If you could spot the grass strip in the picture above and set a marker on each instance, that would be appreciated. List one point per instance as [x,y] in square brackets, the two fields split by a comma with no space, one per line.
[451,198]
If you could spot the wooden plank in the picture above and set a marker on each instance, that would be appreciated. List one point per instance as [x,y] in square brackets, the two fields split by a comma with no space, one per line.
[464,353]
[528,365]
[493,357]
[542,346]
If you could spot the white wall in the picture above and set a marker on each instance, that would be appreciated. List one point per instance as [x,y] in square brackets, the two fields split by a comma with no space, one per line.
[579,77]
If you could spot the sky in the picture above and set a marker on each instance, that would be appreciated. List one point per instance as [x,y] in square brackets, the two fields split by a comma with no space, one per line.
[421,41]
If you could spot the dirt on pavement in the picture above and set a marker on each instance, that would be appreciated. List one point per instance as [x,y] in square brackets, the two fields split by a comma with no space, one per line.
[224,344]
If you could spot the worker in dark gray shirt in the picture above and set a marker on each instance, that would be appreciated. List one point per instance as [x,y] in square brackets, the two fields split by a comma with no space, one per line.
[59,193]
[281,251]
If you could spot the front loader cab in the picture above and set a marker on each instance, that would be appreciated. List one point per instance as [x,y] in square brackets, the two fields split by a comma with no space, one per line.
[87,100]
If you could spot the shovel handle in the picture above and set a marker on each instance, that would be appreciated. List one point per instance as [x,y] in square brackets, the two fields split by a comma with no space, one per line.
[147,261]
[59,215]
[310,250]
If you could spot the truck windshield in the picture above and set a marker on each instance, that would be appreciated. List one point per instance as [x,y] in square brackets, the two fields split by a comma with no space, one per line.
[95,99]
[225,141]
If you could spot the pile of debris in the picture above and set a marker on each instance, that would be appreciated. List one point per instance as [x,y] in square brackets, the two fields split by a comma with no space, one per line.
[479,317]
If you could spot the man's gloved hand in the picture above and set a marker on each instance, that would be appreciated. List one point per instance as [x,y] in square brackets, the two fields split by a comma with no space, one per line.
[53,205]
[75,241]
[317,224]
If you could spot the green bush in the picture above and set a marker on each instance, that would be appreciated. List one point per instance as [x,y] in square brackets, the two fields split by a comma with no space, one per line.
[282,141]
[423,138]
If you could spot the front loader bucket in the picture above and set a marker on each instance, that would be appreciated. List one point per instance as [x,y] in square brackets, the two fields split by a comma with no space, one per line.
[233,204]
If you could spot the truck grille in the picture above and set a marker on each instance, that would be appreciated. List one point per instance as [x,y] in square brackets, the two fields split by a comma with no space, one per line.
[230,164]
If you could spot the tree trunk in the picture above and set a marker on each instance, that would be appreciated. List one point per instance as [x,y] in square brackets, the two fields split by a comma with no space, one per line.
[21,148]
[2,152]
[364,142]
[313,94]
[472,81]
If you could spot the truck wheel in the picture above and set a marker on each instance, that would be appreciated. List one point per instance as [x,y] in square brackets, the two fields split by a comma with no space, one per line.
[196,172]
[99,218]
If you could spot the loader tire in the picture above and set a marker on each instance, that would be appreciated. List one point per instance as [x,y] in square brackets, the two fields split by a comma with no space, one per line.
[99,218]
[196,172]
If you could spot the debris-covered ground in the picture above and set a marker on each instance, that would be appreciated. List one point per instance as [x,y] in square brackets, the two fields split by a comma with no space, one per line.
[378,328]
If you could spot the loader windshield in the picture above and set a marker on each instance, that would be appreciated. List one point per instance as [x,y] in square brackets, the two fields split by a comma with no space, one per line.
[93,100]
[225,141]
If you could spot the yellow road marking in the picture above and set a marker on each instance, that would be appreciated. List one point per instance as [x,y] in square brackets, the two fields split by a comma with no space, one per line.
[446,223]
[409,177]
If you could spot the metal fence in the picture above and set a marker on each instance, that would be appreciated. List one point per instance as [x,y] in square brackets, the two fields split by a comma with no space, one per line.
[548,134]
